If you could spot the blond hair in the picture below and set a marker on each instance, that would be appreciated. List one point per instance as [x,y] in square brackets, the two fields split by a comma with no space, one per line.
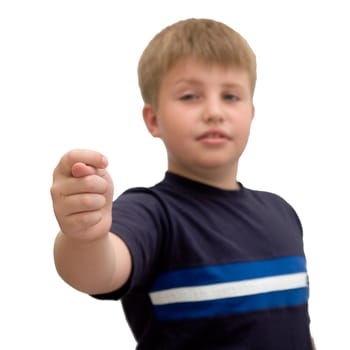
[206,40]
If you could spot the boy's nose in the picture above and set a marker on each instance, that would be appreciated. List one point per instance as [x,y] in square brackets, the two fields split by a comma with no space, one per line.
[213,111]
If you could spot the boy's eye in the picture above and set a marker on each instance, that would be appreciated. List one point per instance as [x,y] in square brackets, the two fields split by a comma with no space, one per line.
[231,97]
[188,97]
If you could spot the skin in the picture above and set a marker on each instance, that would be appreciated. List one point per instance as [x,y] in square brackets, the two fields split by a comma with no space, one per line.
[203,117]
[86,255]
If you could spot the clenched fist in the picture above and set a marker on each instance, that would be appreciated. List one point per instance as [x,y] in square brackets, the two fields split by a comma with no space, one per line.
[82,194]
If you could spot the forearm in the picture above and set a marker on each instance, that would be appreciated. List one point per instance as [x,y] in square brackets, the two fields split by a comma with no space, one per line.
[90,267]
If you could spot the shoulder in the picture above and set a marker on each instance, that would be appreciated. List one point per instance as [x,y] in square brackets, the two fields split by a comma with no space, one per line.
[141,203]
[145,195]
[274,204]
[267,197]
[156,196]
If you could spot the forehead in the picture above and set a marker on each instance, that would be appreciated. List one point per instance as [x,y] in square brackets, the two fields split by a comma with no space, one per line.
[195,72]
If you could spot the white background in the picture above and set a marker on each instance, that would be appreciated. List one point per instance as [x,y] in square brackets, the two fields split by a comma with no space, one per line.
[68,79]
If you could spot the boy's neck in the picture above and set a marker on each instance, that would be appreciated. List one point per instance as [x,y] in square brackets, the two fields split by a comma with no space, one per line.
[222,180]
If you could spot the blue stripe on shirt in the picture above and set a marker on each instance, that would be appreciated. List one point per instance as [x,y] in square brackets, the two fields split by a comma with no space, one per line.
[229,272]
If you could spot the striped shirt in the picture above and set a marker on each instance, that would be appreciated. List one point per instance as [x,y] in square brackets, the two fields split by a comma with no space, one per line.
[212,268]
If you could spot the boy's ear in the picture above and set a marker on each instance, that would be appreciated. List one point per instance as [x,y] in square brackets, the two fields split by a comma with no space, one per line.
[151,120]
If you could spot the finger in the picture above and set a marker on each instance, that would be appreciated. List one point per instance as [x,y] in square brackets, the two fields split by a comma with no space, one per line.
[81,222]
[86,184]
[88,157]
[86,202]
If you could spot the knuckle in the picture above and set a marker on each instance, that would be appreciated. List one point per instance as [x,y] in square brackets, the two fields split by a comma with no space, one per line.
[92,201]
[72,156]
[55,192]
[86,201]
[89,183]
[88,219]
[69,156]
[94,184]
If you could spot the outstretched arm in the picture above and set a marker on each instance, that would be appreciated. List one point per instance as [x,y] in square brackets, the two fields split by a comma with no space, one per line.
[87,255]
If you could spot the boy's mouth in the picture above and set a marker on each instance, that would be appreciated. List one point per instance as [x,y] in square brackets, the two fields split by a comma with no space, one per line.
[213,138]
[213,134]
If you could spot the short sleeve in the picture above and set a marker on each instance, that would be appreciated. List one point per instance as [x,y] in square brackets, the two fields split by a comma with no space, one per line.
[138,219]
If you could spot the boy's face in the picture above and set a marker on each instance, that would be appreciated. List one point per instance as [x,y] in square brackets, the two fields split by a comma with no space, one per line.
[203,116]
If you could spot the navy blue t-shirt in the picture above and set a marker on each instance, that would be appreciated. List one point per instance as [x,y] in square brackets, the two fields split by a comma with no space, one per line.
[212,268]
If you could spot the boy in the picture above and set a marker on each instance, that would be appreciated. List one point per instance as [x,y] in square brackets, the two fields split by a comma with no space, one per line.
[198,260]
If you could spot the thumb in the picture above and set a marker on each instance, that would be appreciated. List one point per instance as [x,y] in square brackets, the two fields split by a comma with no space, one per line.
[80,169]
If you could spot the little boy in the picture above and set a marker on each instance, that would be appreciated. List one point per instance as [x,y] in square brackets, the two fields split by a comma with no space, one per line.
[198,260]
